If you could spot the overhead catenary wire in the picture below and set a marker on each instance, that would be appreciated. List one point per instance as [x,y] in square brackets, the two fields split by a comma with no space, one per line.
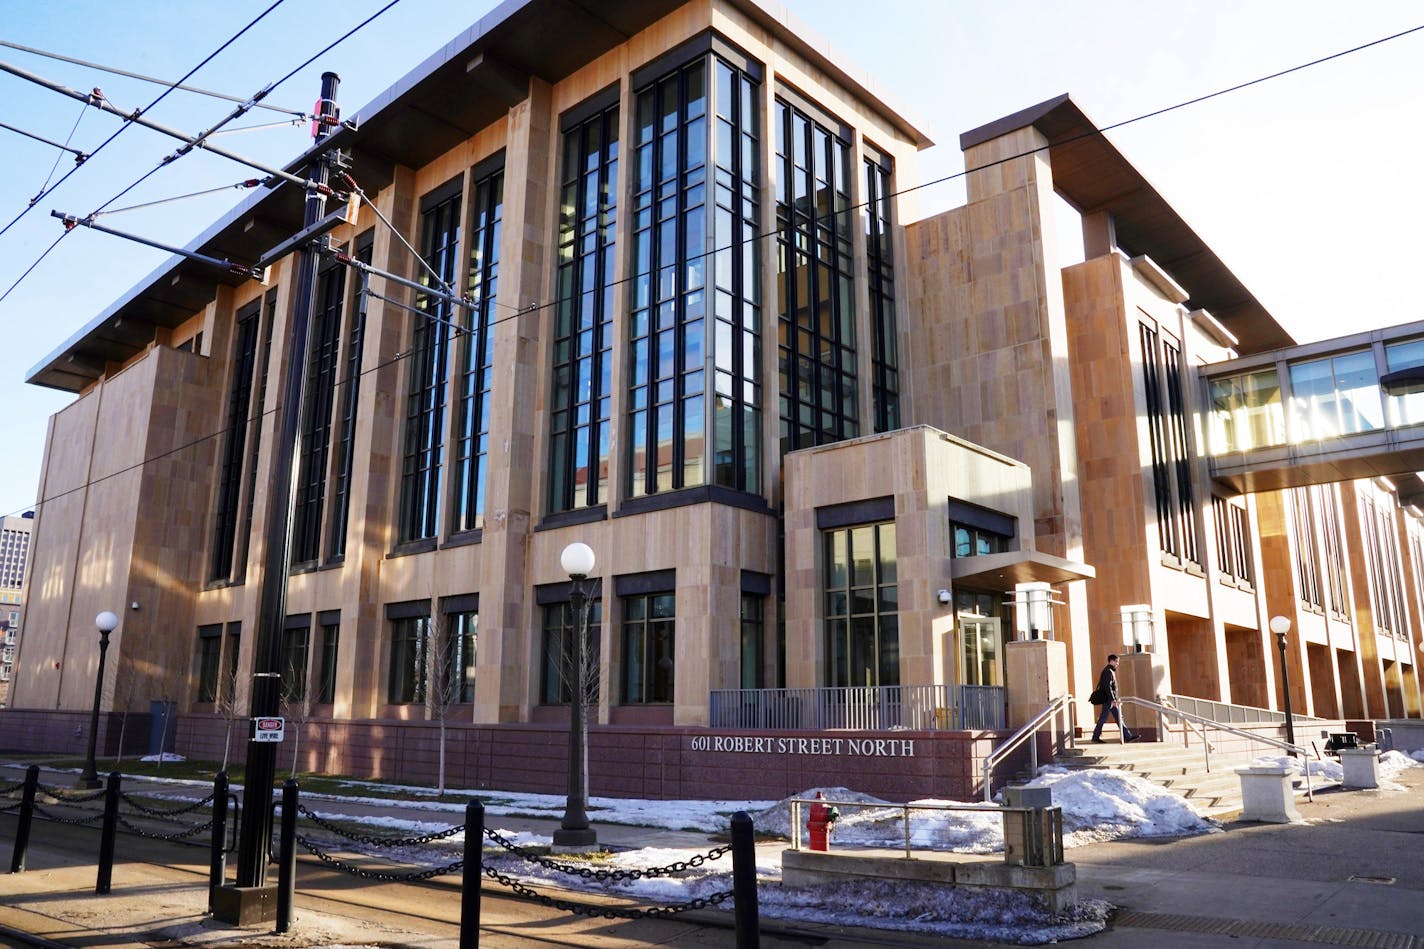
[237,186]
[533,307]
[78,157]
[119,131]
[300,115]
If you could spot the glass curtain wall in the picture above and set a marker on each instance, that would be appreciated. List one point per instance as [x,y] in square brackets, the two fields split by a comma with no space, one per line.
[862,606]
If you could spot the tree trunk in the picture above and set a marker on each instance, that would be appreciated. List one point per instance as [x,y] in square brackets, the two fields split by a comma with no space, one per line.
[440,786]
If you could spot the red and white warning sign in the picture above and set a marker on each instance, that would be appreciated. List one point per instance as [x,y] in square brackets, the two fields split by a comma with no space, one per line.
[268,729]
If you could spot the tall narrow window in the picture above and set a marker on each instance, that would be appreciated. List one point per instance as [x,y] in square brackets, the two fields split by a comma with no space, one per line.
[753,644]
[231,653]
[1157,431]
[428,371]
[819,402]
[295,637]
[695,293]
[460,655]
[406,674]
[556,675]
[349,400]
[1179,443]
[477,352]
[326,675]
[209,659]
[317,399]
[582,363]
[1307,563]
[1330,523]
[239,404]
[649,648]
[862,606]
[880,261]
[254,440]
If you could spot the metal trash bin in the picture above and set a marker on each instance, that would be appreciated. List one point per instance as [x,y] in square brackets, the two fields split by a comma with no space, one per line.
[1033,827]
[1340,740]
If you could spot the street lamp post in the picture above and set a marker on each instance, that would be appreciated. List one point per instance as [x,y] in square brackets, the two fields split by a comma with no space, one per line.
[1280,625]
[107,623]
[574,831]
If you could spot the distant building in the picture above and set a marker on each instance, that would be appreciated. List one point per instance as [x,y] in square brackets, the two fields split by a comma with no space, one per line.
[14,555]
[845,468]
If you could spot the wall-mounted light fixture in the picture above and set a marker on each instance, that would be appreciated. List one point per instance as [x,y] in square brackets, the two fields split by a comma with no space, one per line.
[1137,629]
[945,597]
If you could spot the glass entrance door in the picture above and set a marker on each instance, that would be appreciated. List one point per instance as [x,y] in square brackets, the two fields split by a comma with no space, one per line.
[979,650]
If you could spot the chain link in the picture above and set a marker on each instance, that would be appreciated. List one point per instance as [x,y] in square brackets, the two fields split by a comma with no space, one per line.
[606,876]
[605,912]
[67,796]
[12,788]
[164,812]
[10,807]
[376,840]
[380,875]
[190,832]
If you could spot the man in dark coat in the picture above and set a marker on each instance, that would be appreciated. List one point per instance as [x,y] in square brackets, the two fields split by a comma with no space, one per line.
[1107,692]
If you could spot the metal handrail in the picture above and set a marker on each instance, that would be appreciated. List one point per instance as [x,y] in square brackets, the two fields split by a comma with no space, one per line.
[1031,727]
[905,809]
[1166,710]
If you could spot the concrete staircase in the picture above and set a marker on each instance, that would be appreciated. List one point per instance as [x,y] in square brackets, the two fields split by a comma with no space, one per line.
[1215,793]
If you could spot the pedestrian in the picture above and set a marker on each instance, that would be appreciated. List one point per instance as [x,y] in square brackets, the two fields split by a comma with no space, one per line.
[1106,696]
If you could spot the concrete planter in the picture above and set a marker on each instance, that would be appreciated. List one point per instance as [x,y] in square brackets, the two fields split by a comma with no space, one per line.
[1361,767]
[1266,795]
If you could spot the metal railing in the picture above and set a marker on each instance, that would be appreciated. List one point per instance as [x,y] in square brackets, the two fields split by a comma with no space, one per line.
[1166,711]
[869,708]
[1063,705]
[904,809]
[1231,714]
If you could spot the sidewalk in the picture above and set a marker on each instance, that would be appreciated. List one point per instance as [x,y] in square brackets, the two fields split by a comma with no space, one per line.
[1352,874]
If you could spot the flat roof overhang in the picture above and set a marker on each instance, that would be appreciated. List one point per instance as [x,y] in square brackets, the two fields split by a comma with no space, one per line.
[466,85]
[1003,571]
[1092,175]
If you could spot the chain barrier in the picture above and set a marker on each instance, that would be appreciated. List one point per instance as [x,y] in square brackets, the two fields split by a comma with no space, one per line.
[193,830]
[377,840]
[66,796]
[163,812]
[606,912]
[10,807]
[613,876]
[68,820]
[378,875]
[11,788]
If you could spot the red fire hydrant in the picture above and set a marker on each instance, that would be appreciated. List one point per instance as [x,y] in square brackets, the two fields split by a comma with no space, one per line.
[818,826]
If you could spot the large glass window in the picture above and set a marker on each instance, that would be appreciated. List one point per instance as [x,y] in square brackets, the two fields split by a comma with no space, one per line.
[649,648]
[861,597]
[350,394]
[427,371]
[317,401]
[239,405]
[819,401]
[1307,544]
[477,352]
[1233,541]
[460,646]
[1407,409]
[1246,412]
[669,304]
[880,260]
[582,363]
[405,679]
[1336,395]
[557,656]
[1170,445]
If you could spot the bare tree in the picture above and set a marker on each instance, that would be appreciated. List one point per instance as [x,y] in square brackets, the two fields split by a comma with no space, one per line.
[173,676]
[296,706]
[229,706]
[448,661]
[126,685]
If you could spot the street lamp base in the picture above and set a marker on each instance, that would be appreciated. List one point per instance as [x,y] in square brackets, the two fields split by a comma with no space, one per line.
[89,784]
[575,841]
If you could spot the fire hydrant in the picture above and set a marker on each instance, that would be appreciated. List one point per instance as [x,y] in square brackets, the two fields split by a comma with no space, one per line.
[818,826]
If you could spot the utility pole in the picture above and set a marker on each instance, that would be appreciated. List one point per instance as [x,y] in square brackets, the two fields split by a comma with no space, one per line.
[238,906]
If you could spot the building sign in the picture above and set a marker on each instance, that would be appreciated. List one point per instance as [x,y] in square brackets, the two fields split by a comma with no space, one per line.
[858,747]
[267,729]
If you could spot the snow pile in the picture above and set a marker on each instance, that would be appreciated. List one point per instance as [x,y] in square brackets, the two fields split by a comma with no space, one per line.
[1391,763]
[1106,804]
[1417,755]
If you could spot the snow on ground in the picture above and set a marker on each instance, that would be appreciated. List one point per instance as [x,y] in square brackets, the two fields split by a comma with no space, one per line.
[1391,763]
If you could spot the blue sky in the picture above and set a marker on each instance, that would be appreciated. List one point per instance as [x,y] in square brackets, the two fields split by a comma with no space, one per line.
[1306,186]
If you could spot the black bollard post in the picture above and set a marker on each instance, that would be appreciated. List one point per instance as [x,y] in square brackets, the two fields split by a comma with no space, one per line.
[744,884]
[27,816]
[110,831]
[472,875]
[287,857]
[217,860]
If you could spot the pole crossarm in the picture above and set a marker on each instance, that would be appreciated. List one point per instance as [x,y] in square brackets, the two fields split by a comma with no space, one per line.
[72,221]
[343,258]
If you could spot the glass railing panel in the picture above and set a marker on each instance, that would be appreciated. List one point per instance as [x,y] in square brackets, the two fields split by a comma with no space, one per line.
[1246,412]
[1407,409]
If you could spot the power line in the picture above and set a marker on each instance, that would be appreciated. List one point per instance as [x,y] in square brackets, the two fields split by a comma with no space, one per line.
[139,76]
[119,131]
[456,329]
